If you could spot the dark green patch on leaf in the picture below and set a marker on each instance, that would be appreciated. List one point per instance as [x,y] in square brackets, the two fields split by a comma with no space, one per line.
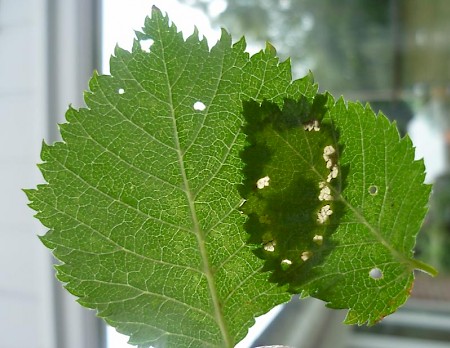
[291,218]
[347,239]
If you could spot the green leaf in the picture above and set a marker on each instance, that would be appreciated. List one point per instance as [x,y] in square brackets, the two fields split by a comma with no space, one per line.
[341,204]
[141,196]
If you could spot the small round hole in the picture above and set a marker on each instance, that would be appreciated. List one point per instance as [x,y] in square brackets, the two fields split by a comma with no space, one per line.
[376,273]
[121,91]
[199,106]
[373,190]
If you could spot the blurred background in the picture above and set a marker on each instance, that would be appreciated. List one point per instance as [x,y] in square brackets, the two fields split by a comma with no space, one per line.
[394,54]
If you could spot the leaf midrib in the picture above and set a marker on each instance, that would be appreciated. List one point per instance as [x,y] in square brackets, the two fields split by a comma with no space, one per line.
[191,203]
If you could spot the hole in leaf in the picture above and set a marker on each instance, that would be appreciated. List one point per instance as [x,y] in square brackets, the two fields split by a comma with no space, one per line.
[373,190]
[146,44]
[199,106]
[121,91]
[375,273]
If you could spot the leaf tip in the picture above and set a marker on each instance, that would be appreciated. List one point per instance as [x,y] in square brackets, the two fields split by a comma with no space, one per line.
[225,37]
[156,11]
[270,49]
[30,194]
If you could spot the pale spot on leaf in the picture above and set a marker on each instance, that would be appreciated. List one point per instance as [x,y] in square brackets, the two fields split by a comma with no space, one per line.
[199,106]
[306,255]
[333,173]
[312,125]
[373,190]
[318,239]
[328,150]
[325,194]
[263,182]
[286,263]
[376,273]
[270,246]
[324,213]
[329,164]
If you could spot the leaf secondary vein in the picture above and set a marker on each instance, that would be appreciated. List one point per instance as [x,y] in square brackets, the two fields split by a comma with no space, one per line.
[219,167]
[208,229]
[104,147]
[137,210]
[127,119]
[120,247]
[150,293]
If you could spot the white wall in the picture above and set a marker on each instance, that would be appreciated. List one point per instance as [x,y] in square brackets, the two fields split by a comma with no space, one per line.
[25,281]
[36,37]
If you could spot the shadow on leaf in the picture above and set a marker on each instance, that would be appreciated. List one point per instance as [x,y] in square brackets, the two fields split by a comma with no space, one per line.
[292,197]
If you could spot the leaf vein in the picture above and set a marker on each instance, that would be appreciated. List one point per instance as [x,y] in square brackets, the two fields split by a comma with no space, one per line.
[105,147]
[114,199]
[120,247]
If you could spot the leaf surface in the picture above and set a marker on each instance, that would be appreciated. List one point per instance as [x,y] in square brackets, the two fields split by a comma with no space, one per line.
[143,195]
